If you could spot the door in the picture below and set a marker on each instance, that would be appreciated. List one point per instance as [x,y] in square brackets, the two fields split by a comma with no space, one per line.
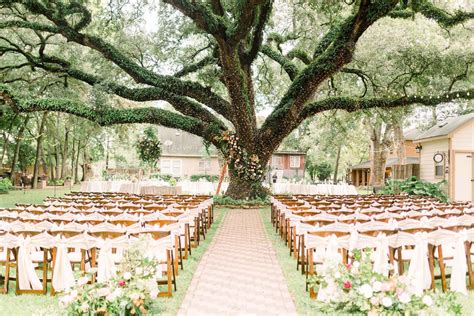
[463,177]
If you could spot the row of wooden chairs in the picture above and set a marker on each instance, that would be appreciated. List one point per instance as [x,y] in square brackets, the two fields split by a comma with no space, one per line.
[304,256]
[183,243]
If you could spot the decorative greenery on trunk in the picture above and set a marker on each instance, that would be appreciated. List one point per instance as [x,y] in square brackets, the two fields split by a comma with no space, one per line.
[213,96]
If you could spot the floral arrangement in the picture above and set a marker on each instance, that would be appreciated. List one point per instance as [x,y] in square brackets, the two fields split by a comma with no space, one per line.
[131,292]
[244,165]
[356,289]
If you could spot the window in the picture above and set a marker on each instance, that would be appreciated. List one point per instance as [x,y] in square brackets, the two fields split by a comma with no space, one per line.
[170,166]
[295,161]
[165,166]
[204,165]
[439,169]
[176,168]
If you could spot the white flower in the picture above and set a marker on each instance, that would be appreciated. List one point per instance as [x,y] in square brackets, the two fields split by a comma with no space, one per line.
[404,298]
[337,275]
[134,296]
[84,307]
[82,281]
[377,286]
[387,301]
[103,291]
[356,264]
[66,300]
[73,294]
[139,270]
[427,300]
[154,294]
[366,290]
[127,275]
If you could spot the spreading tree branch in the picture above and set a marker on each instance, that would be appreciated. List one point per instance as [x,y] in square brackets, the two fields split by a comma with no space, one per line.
[430,11]
[257,34]
[284,62]
[111,116]
[139,74]
[355,104]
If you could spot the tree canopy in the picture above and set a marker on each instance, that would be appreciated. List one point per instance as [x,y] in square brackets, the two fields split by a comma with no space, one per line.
[216,62]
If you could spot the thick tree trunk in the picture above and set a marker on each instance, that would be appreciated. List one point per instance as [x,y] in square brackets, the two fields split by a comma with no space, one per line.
[242,188]
[5,139]
[16,153]
[399,139]
[377,169]
[4,147]
[43,161]
[86,166]
[39,141]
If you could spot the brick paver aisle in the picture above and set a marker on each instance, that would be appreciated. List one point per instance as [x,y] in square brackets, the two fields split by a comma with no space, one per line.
[239,273]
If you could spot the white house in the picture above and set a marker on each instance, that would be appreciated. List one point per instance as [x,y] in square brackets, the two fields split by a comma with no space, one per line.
[446,153]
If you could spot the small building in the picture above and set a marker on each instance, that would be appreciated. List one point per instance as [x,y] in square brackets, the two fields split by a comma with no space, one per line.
[288,164]
[446,153]
[359,175]
[184,154]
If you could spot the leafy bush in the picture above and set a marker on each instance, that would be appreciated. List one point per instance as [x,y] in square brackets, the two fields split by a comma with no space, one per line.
[164,177]
[413,186]
[5,185]
[323,171]
[227,200]
[210,178]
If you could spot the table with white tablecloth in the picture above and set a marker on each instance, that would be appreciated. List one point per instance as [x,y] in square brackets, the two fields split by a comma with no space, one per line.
[152,187]
[324,189]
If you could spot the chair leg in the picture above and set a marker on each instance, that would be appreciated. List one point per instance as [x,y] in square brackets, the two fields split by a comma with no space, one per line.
[189,239]
[312,292]
[431,263]
[173,271]
[469,264]
[6,280]
[400,261]
[45,271]
[442,268]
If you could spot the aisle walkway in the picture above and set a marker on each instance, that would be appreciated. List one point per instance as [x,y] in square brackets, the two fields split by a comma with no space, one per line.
[239,273]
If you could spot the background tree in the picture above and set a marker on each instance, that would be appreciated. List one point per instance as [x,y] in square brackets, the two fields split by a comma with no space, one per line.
[80,41]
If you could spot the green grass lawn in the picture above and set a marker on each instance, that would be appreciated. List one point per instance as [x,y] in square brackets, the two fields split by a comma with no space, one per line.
[33,196]
[42,305]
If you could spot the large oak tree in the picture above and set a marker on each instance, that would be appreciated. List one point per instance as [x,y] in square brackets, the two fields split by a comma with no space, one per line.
[223,113]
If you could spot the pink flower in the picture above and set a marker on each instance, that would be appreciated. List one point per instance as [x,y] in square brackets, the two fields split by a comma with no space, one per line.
[385,287]
[348,266]
[374,300]
[121,283]
[347,285]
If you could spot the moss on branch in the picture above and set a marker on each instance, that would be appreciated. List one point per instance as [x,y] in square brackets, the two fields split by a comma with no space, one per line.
[355,104]
[431,11]
[284,62]
[106,116]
